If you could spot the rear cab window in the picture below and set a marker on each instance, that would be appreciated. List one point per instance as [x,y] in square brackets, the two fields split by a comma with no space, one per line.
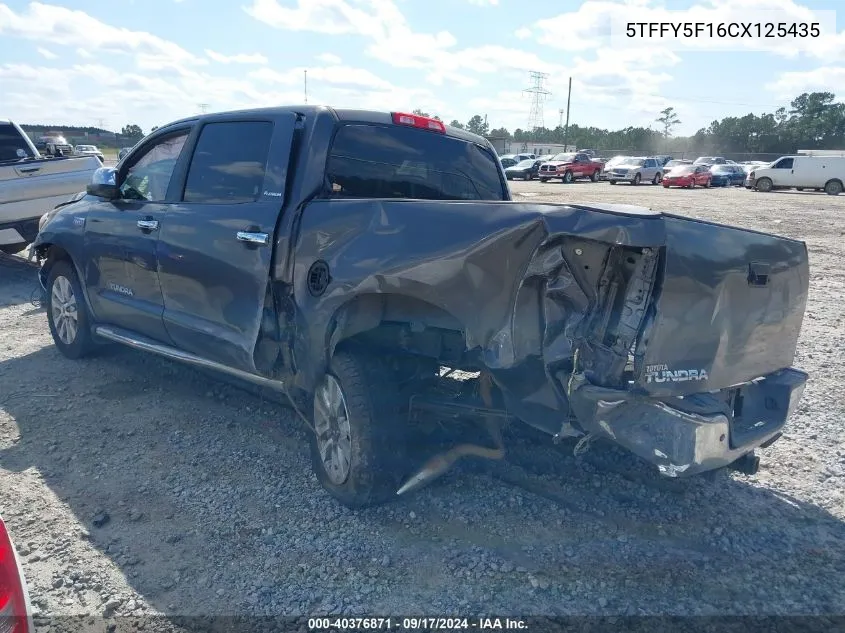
[382,161]
[229,163]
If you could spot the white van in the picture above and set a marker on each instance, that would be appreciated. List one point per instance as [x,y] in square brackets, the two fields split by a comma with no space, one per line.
[801,172]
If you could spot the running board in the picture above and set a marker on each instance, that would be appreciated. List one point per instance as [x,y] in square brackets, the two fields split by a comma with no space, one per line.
[133,340]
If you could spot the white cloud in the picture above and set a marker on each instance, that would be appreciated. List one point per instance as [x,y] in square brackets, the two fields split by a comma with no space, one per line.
[334,75]
[523,34]
[67,27]
[598,23]
[240,58]
[46,54]
[329,58]
[822,79]
[84,53]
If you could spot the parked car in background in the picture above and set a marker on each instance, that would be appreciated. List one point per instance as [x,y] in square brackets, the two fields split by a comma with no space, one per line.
[589,152]
[123,152]
[710,160]
[727,175]
[54,146]
[636,170]
[508,161]
[31,185]
[674,163]
[663,159]
[525,169]
[690,176]
[88,150]
[15,606]
[569,166]
[801,172]
[613,162]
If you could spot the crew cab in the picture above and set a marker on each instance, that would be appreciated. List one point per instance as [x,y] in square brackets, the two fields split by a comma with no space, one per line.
[54,145]
[31,184]
[351,259]
[569,166]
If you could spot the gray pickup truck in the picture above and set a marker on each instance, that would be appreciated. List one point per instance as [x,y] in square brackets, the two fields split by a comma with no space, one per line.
[352,259]
[31,184]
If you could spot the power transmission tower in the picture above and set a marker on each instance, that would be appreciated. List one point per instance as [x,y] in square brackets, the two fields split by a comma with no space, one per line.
[560,120]
[538,96]
[101,124]
[203,107]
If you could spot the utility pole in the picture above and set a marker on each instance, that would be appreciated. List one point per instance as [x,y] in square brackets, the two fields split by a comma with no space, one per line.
[566,128]
[305,79]
[203,107]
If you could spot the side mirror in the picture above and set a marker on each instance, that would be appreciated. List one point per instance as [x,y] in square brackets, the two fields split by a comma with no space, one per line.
[104,184]
[20,153]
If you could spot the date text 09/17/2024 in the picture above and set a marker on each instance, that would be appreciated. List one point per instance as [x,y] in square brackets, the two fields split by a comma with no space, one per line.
[414,624]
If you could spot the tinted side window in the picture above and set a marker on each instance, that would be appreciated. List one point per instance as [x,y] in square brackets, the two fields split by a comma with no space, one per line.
[229,162]
[148,177]
[784,163]
[11,142]
[383,161]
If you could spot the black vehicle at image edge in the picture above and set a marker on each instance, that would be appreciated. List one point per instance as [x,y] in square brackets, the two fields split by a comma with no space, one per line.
[342,257]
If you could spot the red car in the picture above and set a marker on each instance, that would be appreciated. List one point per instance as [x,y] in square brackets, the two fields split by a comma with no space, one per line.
[569,166]
[688,176]
[15,610]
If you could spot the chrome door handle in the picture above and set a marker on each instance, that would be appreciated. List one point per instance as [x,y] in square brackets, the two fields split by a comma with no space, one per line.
[254,238]
[148,225]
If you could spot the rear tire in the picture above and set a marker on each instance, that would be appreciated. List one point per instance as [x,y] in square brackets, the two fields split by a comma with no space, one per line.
[657,178]
[67,312]
[833,187]
[544,180]
[612,182]
[360,388]
[637,179]
[594,176]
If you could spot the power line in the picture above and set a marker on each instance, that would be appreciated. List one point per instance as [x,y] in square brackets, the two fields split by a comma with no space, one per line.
[538,95]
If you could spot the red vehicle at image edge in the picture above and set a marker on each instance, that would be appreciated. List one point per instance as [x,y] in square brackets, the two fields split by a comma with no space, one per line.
[569,166]
[15,610]
[690,176]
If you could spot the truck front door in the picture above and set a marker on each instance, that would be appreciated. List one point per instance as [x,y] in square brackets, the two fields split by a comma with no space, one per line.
[120,264]
[216,244]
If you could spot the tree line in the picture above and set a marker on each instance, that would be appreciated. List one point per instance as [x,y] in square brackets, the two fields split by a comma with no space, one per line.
[813,120]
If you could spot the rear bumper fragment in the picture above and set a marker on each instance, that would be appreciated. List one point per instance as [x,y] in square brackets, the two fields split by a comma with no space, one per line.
[694,434]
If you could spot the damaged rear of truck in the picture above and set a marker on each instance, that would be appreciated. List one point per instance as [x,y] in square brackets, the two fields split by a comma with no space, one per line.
[670,336]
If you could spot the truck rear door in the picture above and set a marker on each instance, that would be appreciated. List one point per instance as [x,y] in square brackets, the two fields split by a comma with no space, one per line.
[216,243]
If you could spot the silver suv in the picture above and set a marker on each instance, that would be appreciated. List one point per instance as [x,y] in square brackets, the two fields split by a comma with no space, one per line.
[635,170]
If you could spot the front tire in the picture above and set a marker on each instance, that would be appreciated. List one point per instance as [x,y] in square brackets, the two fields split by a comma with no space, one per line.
[764,185]
[637,179]
[359,442]
[567,177]
[594,176]
[657,178]
[67,313]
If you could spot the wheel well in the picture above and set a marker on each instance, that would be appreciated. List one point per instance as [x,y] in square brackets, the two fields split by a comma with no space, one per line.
[399,323]
[833,180]
[50,254]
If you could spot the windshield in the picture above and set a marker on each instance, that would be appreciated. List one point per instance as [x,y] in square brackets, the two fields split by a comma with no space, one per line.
[524,164]
[675,163]
[378,161]
[722,169]
[634,162]
[704,159]
[683,169]
[567,158]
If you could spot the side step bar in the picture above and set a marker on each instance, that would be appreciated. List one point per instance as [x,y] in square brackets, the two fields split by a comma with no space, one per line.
[133,340]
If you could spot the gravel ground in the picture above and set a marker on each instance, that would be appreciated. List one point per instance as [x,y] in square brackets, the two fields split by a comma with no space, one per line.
[133,485]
